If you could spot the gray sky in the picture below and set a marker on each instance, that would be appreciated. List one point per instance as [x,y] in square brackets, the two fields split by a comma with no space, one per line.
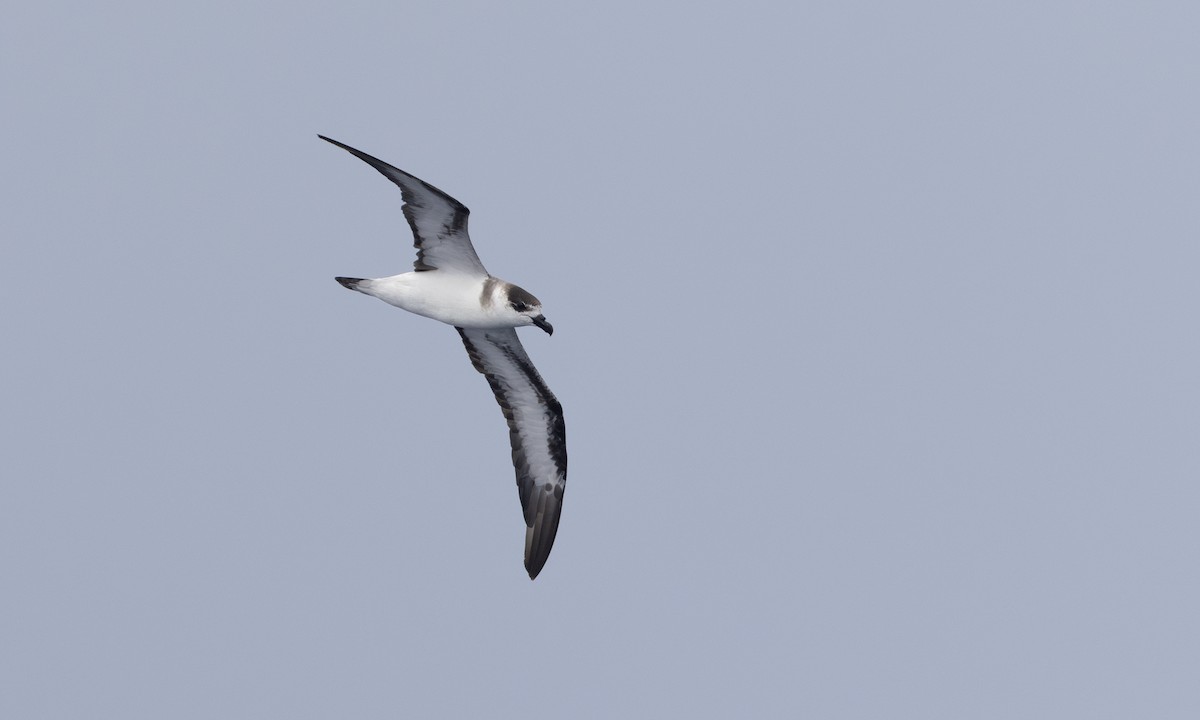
[876,336]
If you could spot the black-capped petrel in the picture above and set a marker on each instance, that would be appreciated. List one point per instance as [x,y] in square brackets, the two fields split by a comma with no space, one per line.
[450,284]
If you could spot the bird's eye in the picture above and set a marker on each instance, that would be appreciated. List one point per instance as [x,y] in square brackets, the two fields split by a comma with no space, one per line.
[520,306]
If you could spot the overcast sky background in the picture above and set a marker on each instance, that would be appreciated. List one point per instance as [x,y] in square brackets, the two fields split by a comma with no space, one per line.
[876,333]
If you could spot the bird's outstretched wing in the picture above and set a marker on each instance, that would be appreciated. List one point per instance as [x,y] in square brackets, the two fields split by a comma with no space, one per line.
[438,221]
[535,429]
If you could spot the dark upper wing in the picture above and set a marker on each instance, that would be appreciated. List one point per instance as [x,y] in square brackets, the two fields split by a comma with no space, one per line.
[535,429]
[439,222]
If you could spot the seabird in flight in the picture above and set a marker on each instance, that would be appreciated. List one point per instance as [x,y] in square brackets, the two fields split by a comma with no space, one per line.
[450,284]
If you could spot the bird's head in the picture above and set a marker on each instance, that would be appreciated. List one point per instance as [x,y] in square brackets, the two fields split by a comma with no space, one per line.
[525,307]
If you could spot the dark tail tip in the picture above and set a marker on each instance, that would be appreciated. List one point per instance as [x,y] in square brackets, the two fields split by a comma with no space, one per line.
[351,283]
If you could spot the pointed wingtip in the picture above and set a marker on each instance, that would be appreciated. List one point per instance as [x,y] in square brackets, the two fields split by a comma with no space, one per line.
[533,566]
[538,541]
[343,146]
[534,561]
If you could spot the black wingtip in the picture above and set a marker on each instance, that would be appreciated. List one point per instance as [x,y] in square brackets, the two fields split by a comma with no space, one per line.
[535,557]
[535,568]
[539,539]
[343,146]
[349,283]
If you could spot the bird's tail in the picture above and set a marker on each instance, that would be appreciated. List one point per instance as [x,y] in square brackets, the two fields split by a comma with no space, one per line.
[351,283]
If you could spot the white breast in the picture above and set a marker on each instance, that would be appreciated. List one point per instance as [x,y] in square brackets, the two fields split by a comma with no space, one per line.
[452,298]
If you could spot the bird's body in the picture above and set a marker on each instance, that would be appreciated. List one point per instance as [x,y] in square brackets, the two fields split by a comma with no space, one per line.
[450,284]
[456,299]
